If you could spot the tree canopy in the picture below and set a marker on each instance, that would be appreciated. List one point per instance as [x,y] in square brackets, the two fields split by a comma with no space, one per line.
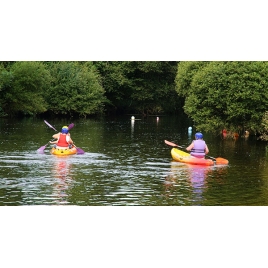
[219,95]
[75,89]
[215,95]
[143,87]
[22,87]
[88,88]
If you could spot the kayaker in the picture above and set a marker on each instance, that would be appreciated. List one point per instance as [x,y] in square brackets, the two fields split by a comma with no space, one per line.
[63,138]
[198,146]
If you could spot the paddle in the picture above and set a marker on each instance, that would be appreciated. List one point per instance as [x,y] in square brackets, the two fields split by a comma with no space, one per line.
[79,150]
[69,127]
[219,160]
[42,148]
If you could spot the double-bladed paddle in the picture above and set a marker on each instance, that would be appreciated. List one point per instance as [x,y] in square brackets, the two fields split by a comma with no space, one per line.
[69,127]
[42,148]
[218,160]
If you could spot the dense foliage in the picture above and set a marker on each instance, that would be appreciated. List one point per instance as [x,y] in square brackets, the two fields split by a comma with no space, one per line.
[232,95]
[75,89]
[22,87]
[215,95]
[88,88]
[143,87]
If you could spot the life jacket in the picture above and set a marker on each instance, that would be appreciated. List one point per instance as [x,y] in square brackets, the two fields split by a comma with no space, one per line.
[199,148]
[62,142]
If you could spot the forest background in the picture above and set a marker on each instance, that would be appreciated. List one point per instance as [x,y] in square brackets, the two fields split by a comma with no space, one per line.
[216,95]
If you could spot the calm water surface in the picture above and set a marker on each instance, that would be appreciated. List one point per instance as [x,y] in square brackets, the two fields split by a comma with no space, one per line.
[126,163]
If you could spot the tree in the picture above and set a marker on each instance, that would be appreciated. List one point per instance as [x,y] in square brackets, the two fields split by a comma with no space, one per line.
[75,89]
[230,95]
[143,87]
[22,88]
[5,84]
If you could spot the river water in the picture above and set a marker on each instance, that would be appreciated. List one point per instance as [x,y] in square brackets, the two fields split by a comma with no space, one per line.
[127,163]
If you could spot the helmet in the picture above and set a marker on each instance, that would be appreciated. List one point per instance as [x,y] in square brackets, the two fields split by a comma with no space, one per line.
[64,130]
[199,135]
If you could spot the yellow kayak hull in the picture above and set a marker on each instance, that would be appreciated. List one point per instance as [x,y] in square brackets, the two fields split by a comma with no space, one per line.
[63,151]
[184,157]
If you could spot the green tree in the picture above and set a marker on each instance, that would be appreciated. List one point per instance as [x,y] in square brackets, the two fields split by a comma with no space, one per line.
[22,88]
[146,87]
[115,83]
[231,95]
[75,89]
[153,89]
[185,73]
[5,85]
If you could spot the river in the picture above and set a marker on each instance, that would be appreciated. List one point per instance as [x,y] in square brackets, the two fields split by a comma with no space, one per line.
[127,163]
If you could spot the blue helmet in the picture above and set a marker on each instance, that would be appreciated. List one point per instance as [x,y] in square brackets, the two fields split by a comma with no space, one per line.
[64,130]
[199,135]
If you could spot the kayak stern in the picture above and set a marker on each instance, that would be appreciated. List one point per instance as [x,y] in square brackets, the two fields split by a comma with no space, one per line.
[62,151]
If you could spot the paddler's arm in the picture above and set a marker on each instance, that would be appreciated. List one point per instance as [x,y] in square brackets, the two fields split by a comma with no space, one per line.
[71,141]
[190,147]
[56,136]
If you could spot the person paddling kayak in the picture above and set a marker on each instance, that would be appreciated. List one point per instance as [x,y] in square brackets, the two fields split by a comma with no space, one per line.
[63,138]
[198,147]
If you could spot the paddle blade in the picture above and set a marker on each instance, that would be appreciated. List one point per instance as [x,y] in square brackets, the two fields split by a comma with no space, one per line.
[79,151]
[50,125]
[41,149]
[71,126]
[221,161]
[171,143]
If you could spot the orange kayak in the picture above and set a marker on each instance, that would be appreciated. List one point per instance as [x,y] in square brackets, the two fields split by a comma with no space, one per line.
[184,157]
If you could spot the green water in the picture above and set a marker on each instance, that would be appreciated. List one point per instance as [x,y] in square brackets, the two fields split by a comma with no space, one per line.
[126,163]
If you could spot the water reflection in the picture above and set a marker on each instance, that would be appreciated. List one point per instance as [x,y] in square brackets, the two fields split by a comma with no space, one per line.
[61,171]
[191,178]
[197,178]
[120,170]
[132,126]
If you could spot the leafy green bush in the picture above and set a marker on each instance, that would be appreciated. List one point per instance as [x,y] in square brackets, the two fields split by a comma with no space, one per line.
[22,88]
[232,95]
[75,89]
